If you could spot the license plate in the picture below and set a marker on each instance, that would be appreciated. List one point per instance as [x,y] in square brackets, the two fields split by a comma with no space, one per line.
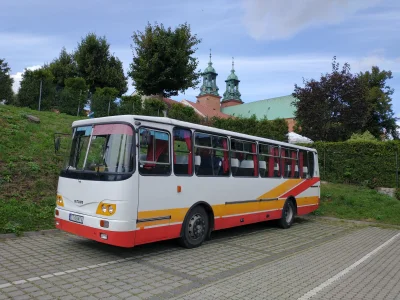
[76,218]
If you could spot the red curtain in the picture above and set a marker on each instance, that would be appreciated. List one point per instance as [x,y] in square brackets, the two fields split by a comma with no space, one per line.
[301,164]
[293,164]
[188,139]
[283,161]
[271,163]
[161,146]
[225,163]
[253,148]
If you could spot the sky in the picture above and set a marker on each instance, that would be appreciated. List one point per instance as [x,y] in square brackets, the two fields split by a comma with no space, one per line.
[275,43]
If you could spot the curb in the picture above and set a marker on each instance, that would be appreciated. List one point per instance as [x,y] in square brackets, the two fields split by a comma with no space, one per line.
[28,233]
[350,221]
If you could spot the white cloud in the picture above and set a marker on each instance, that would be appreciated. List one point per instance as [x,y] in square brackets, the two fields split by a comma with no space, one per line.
[280,19]
[18,77]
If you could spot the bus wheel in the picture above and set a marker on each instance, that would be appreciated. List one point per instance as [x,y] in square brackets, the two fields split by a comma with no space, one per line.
[288,213]
[195,228]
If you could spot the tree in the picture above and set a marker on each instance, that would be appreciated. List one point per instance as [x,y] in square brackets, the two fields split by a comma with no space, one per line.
[334,107]
[6,82]
[63,67]
[28,94]
[130,105]
[103,102]
[364,137]
[73,96]
[154,107]
[382,120]
[183,113]
[97,66]
[163,61]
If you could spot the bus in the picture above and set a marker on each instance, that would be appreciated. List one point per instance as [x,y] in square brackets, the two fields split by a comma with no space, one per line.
[129,180]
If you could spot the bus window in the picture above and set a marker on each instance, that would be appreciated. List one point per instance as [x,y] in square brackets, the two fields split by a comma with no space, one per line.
[154,152]
[311,163]
[289,163]
[269,160]
[211,155]
[303,164]
[183,155]
[243,158]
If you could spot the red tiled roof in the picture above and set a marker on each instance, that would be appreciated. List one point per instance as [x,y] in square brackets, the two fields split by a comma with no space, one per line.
[169,101]
[207,111]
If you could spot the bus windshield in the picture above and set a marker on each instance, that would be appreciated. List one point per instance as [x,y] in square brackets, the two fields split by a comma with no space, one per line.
[105,148]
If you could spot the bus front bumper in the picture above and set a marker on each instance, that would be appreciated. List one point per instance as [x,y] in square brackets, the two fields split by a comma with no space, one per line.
[112,237]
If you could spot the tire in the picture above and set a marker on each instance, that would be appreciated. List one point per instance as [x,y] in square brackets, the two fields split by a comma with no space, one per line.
[288,213]
[195,228]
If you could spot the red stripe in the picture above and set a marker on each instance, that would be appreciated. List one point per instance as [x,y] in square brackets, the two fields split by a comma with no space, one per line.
[301,187]
[228,222]
[117,238]
[160,233]
[306,209]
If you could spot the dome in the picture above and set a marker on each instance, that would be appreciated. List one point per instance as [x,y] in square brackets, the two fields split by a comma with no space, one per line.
[210,68]
[232,76]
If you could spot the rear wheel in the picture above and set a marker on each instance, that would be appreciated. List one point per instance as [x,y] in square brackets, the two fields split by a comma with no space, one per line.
[195,228]
[288,213]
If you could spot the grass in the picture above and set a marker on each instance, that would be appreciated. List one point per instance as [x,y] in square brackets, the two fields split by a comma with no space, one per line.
[358,203]
[29,168]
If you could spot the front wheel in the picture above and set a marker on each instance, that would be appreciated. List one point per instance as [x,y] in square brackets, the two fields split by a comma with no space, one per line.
[195,228]
[288,213]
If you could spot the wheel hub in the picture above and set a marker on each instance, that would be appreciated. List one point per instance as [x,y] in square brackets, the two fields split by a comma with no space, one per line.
[196,227]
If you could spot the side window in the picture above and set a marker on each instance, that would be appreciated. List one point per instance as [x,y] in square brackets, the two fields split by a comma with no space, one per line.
[269,160]
[303,164]
[289,163]
[311,163]
[211,155]
[154,158]
[243,158]
[183,154]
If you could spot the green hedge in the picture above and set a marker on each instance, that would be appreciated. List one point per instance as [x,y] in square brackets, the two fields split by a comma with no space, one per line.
[368,163]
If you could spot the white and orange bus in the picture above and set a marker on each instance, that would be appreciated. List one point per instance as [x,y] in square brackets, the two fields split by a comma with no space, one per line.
[130,180]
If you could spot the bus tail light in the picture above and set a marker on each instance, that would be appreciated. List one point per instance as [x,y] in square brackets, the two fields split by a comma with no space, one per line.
[57,212]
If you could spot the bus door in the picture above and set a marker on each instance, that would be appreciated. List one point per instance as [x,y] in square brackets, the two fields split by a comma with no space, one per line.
[156,187]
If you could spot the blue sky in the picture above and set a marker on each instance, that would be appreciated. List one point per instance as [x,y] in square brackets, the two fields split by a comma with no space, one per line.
[275,42]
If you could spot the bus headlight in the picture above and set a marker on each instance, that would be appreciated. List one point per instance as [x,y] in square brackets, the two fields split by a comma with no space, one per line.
[59,201]
[106,209]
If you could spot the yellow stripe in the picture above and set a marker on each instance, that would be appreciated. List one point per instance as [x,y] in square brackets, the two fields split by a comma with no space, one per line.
[280,189]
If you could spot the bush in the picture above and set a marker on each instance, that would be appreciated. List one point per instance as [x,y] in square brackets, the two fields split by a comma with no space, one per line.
[368,163]
[397,194]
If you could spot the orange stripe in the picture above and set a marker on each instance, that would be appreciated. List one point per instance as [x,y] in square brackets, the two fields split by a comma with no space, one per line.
[280,189]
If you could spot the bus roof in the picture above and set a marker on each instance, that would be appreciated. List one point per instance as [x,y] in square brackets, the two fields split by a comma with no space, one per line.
[163,120]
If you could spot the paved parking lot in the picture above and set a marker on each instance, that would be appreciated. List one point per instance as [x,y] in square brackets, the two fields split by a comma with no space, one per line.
[311,260]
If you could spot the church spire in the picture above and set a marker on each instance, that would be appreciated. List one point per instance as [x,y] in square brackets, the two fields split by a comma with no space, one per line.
[209,85]
[232,93]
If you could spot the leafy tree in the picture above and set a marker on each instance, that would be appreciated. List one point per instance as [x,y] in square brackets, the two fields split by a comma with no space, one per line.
[73,96]
[334,107]
[183,113]
[63,67]
[366,137]
[381,121]
[163,61]
[28,94]
[103,102]
[97,66]
[153,107]
[130,105]
[6,82]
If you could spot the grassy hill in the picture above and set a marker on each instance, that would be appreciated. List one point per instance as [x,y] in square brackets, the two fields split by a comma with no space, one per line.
[29,168]
[29,171]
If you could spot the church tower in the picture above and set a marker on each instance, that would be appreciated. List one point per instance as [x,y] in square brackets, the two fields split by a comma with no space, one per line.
[209,91]
[232,94]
